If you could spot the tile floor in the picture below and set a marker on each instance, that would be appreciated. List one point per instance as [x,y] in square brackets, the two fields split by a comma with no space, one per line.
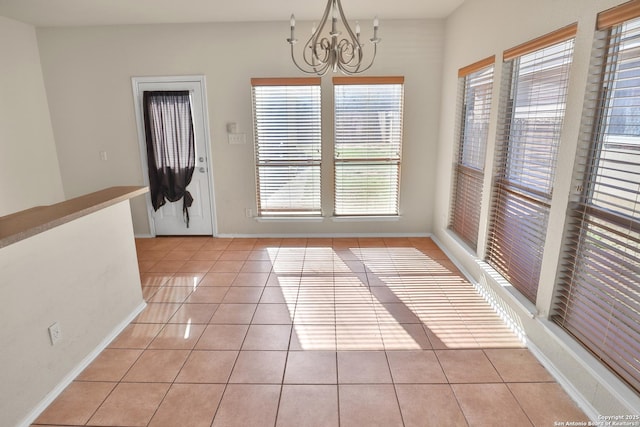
[310,332]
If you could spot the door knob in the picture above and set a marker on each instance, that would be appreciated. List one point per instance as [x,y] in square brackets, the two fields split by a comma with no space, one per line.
[202,170]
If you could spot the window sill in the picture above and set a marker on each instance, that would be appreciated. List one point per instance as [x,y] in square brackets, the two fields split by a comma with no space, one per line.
[380,218]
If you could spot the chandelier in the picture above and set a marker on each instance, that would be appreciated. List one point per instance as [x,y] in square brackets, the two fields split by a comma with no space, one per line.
[331,51]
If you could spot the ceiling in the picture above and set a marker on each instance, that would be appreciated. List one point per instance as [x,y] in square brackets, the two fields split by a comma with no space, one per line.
[114,12]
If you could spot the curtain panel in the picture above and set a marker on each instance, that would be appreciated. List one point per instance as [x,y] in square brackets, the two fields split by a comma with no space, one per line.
[170,147]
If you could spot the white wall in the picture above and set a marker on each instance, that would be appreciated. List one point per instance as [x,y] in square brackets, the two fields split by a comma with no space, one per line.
[88,74]
[479,29]
[29,173]
[90,288]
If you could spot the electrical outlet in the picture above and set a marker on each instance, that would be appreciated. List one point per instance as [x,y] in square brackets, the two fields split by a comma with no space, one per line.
[248,213]
[55,333]
[237,138]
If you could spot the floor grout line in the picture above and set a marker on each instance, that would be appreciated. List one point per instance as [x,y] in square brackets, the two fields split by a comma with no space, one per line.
[345,275]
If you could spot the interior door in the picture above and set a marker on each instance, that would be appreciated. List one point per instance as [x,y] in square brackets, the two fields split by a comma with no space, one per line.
[169,219]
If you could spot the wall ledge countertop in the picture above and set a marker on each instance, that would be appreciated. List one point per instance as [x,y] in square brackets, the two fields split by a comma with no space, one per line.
[24,224]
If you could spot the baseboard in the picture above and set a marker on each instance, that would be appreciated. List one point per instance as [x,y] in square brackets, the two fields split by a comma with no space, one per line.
[318,235]
[144,236]
[301,235]
[68,379]
[564,382]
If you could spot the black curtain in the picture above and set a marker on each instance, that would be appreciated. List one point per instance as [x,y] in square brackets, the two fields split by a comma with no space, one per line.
[170,147]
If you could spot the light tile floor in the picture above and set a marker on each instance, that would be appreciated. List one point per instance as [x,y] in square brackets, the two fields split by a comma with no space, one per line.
[310,332]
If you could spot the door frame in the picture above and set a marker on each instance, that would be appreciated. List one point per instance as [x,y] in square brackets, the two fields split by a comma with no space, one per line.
[200,81]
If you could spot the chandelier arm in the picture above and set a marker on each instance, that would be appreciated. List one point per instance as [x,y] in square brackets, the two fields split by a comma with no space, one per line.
[346,51]
[348,47]
[317,58]
[318,66]
[353,65]
[350,71]
[313,41]
[354,39]
[315,70]
[316,63]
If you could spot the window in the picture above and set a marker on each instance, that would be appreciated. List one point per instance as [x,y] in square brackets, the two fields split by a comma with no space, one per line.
[598,292]
[536,77]
[475,107]
[368,144]
[287,128]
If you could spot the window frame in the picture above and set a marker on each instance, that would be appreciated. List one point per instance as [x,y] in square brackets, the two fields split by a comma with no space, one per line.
[597,293]
[273,174]
[468,175]
[348,205]
[521,196]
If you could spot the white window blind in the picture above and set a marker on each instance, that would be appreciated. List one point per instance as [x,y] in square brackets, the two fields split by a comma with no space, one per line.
[368,145]
[536,79]
[287,130]
[476,83]
[598,291]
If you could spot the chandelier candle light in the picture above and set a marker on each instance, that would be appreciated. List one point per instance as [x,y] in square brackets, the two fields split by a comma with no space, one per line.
[321,53]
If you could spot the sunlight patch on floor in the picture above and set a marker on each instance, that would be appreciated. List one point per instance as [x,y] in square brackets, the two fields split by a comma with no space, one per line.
[375,298]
